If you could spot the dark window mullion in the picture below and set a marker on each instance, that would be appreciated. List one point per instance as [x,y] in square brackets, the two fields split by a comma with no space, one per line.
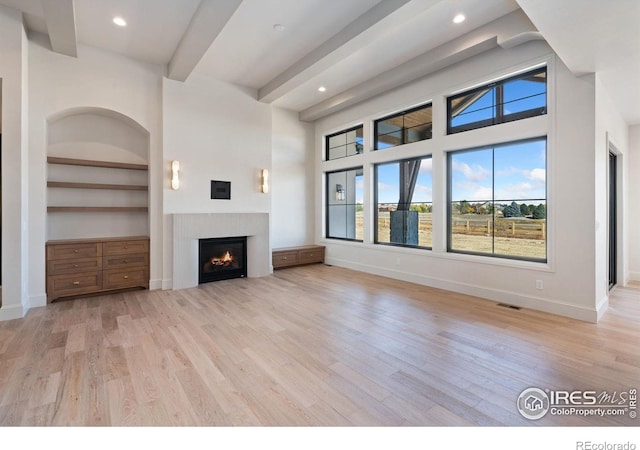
[493,196]
[499,102]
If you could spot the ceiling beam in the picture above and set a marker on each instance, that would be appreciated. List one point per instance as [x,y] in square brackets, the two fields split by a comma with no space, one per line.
[206,24]
[341,45]
[60,18]
[411,70]
[505,32]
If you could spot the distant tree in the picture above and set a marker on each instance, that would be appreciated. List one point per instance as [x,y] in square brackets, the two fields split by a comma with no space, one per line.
[464,207]
[512,210]
[359,207]
[524,210]
[531,209]
[540,212]
[490,208]
[421,208]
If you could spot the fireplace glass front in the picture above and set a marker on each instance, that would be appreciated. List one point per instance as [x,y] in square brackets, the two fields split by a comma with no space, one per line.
[222,259]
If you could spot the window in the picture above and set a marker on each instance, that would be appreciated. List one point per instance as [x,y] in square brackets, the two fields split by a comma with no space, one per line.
[497,200]
[344,196]
[404,127]
[403,203]
[344,143]
[511,99]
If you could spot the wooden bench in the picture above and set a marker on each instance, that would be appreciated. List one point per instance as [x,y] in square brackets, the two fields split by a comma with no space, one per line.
[297,256]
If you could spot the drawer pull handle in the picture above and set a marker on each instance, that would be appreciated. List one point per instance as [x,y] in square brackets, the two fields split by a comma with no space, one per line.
[75,251]
[284,257]
[126,277]
[126,261]
[76,283]
[126,247]
[75,265]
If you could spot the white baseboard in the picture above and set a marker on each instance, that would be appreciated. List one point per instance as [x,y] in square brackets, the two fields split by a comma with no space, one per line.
[155,284]
[602,306]
[12,312]
[634,276]
[38,300]
[511,298]
[167,284]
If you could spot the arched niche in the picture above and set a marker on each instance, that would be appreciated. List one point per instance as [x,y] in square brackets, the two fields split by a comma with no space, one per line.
[97,134]
[96,200]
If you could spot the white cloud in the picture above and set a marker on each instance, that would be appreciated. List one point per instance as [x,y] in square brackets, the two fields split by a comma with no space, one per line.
[426,166]
[539,175]
[473,192]
[386,187]
[477,173]
[422,194]
[520,191]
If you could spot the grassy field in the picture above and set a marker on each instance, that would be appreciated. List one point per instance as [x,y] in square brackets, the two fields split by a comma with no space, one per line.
[514,237]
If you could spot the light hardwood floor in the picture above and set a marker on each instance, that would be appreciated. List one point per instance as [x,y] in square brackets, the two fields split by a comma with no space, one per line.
[313,345]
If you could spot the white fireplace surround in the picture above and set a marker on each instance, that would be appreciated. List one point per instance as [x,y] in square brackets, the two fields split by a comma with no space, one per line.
[189,228]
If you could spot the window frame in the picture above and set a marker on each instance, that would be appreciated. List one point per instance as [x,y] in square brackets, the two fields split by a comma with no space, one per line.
[499,116]
[399,114]
[375,203]
[449,201]
[337,133]
[326,203]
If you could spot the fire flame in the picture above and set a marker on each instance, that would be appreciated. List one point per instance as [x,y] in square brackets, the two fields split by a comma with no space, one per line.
[224,260]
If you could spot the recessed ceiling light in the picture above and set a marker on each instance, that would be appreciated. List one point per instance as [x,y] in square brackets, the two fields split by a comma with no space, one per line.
[459,18]
[278,27]
[120,21]
[322,89]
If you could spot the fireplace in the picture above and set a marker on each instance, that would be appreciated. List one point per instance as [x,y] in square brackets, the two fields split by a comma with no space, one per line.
[222,259]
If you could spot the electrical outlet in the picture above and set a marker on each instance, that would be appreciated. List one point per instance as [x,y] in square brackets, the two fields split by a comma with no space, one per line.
[539,284]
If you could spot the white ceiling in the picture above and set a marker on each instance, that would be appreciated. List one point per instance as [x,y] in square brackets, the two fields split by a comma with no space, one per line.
[355,48]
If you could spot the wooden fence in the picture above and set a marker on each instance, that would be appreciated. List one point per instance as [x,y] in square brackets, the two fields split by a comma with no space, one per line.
[502,228]
[517,229]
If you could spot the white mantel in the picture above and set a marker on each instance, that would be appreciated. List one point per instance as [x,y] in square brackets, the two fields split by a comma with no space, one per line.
[188,228]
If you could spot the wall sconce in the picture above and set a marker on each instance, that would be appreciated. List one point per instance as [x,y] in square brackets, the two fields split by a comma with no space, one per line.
[264,187]
[339,192]
[175,179]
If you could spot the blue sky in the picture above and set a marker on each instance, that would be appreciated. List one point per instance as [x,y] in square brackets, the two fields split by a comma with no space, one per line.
[520,168]
[389,182]
[519,173]
[519,95]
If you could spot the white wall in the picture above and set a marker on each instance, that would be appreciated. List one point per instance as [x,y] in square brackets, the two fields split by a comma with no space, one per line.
[567,289]
[217,131]
[292,175]
[610,127]
[633,203]
[13,72]
[96,79]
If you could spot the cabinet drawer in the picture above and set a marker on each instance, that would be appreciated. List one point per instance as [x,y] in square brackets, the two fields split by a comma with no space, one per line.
[117,278]
[67,251]
[125,247]
[282,259]
[125,261]
[62,266]
[79,283]
[311,256]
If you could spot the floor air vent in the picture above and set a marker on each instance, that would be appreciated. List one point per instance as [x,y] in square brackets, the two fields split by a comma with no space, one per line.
[504,305]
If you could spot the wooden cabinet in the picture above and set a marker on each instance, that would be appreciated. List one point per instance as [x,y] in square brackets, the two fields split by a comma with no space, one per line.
[296,256]
[84,266]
